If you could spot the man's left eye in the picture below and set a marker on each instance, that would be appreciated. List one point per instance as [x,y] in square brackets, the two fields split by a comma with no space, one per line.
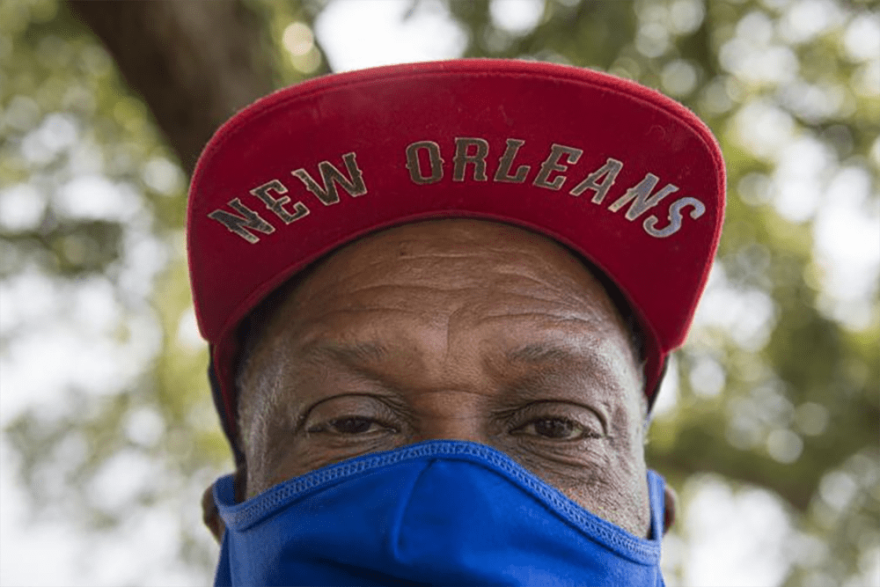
[552,428]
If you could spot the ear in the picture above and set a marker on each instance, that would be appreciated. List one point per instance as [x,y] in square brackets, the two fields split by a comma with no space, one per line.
[670,502]
[210,515]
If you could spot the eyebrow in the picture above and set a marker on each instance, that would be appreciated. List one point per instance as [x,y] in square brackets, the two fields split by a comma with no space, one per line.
[542,352]
[349,354]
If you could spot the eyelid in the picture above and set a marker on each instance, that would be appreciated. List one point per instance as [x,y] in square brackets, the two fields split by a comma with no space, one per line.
[560,410]
[327,425]
[379,411]
[582,432]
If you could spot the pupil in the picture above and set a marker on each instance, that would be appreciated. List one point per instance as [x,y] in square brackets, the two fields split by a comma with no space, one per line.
[553,428]
[352,425]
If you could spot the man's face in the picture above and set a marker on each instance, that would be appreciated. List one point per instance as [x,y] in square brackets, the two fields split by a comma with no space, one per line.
[451,329]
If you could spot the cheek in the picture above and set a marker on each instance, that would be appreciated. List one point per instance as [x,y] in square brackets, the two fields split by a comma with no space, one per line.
[608,479]
[583,477]
[618,496]
[629,477]
[278,463]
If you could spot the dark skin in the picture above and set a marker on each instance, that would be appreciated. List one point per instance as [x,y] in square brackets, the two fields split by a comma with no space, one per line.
[450,329]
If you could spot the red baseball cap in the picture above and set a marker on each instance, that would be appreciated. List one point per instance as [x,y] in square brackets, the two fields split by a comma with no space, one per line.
[622,175]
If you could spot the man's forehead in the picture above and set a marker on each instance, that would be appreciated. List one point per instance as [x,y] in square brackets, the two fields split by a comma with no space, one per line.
[448,275]
[365,307]
[453,256]
[455,242]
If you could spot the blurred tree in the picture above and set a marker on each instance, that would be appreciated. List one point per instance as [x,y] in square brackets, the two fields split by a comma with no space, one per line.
[171,54]
[777,387]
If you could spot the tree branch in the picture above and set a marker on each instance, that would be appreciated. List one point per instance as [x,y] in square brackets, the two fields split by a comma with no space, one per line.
[194,63]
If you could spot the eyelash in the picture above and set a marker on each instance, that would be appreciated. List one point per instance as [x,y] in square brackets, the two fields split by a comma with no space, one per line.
[323,428]
[584,432]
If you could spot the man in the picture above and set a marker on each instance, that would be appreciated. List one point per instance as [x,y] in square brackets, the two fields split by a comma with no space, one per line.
[440,298]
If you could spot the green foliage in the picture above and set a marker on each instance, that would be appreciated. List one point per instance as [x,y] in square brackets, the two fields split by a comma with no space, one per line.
[777,386]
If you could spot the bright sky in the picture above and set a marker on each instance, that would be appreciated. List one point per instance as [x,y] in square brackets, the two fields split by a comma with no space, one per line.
[740,536]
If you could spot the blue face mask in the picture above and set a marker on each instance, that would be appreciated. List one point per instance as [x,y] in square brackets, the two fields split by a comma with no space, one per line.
[439,512]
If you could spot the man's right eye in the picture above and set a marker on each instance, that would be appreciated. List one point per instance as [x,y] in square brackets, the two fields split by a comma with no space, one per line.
[350,425]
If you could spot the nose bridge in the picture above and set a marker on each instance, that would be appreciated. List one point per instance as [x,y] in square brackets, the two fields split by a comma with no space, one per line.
[450,414]
[450,403]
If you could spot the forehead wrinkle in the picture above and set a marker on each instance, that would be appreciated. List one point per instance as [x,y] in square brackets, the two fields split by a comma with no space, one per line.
[393,292]
[426,275]
[318,324]
[501,258]
[506,261]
